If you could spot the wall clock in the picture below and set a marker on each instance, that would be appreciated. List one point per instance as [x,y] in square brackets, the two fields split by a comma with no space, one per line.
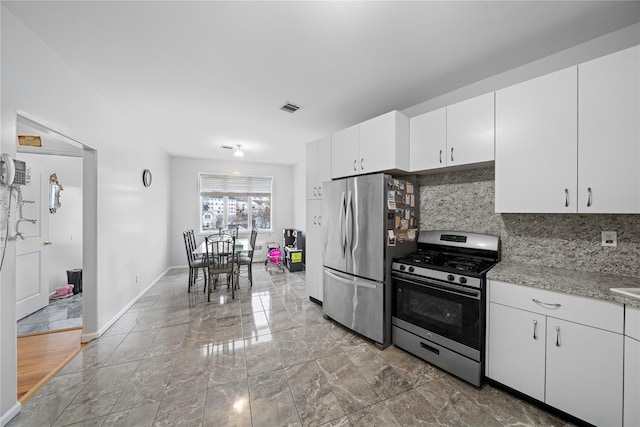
[146,177]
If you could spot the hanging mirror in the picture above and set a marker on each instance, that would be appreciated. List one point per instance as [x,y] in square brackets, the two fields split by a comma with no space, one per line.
[54,195]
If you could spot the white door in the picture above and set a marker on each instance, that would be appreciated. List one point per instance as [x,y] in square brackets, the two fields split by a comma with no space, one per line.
[345,149]
[470,131]
[516,349]
[32,240]
[313,248]
[428,140]
[608,133]
[584,372]
[536,145]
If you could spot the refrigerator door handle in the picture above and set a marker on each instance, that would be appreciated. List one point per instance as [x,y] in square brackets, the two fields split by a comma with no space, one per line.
[351,280]
[349,220]
[343,233]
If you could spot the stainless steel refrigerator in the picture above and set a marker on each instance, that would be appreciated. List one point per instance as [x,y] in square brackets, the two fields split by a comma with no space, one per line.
[367,221]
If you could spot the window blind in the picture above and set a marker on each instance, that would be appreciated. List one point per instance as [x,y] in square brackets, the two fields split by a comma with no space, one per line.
[229,185]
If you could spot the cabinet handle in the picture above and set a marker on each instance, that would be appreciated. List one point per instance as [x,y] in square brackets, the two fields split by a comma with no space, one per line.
[319,191]
[320,220]
[440,156]
[589,198]
[557,336]
[452,154]
[315,192]
[315,218]
[535,329]
[549,305]
[362,164]
[354,165]
[566,197]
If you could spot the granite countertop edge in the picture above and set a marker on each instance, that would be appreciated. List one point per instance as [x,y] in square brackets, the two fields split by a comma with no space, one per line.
[573,282]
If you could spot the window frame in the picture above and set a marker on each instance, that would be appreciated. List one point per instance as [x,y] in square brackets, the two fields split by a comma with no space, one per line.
[226,206]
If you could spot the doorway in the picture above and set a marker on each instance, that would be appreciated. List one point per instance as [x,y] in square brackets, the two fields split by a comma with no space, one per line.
[48,231]
[81,192]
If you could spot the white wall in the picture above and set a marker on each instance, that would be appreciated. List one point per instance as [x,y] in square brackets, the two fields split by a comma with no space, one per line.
[65,226]
[185,206]
[132,221]
[609,43]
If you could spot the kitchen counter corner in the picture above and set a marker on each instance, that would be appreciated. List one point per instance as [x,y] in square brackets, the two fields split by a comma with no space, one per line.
[582,283]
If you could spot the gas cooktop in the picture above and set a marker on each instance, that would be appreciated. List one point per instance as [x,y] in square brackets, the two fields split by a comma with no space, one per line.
[447,262]
[456,252]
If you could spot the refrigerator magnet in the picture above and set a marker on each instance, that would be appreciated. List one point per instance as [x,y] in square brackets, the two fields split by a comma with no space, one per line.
[391,240]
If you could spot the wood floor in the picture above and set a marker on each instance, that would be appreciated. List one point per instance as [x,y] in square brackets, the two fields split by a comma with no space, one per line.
[41,356]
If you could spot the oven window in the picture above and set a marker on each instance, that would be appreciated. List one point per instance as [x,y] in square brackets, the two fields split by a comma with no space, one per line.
[450,315]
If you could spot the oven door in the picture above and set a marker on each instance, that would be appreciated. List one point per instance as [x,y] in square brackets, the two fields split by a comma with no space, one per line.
[450,311]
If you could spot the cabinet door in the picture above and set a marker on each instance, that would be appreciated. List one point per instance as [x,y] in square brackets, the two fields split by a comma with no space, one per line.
[470,131]
[428,141]
[384,143]
[312,170]
[631,382]
[584,372]
[609,133]
[516,349]
[313,249]
[536,145]
[323,162]
[345,160]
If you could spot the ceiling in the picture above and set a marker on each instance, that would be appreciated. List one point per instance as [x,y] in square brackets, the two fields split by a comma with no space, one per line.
[198,75]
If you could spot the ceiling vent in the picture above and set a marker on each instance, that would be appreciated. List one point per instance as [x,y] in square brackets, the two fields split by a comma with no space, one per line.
[290,107]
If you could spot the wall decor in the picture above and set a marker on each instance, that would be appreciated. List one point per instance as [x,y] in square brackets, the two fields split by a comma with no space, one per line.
[146,177]
[54,194]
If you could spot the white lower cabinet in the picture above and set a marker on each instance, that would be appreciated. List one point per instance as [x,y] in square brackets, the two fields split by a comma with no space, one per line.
[517,348]
[632,367]
[584,372]
[535,346]
[313,249]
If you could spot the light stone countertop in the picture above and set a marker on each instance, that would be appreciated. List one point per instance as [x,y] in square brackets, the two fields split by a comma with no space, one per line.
[582,283]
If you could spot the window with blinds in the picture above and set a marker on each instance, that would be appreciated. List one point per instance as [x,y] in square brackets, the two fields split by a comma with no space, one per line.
[229,201]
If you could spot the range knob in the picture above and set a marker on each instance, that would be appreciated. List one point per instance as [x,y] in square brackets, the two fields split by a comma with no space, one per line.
[403,267]
[463,280]
[451,277]
[411,269]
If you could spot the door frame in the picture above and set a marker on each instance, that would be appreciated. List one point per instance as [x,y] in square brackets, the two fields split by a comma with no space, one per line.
[89,225]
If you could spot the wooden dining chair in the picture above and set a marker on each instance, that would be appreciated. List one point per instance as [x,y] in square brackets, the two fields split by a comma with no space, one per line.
[246,257]
[220,259]
[194,261]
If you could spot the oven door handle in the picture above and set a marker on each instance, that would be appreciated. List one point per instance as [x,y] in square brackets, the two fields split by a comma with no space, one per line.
[443,287]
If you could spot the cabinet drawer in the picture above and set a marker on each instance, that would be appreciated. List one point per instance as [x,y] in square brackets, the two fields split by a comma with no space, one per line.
[632,322]
[587,311]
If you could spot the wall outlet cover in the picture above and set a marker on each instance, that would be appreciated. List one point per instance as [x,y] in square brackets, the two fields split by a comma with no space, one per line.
[610,238]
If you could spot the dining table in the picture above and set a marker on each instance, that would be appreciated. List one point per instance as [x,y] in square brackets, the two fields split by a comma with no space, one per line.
[241,245]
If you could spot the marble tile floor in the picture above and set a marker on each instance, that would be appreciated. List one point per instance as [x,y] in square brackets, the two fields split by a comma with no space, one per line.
[267,358]
[59,314]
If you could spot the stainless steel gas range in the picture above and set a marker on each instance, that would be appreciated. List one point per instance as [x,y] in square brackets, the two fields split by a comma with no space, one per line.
[439,300]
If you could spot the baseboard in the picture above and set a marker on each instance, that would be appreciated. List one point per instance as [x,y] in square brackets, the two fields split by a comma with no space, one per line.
[12,412]
[86,337]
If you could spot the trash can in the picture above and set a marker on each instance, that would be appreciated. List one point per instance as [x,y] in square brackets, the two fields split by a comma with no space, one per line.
[74,277]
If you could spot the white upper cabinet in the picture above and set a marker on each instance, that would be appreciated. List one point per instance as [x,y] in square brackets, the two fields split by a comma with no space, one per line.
[570,141]
[459,134]
[470,130]
[609,133]
[428,140]
[376,145]
[384,143]
[318,166]
[536,145]
[345,151]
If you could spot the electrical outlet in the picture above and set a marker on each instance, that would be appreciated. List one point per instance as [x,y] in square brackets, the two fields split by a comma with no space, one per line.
[610,238]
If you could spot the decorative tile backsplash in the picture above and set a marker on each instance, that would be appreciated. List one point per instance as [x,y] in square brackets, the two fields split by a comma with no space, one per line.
[464,200]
